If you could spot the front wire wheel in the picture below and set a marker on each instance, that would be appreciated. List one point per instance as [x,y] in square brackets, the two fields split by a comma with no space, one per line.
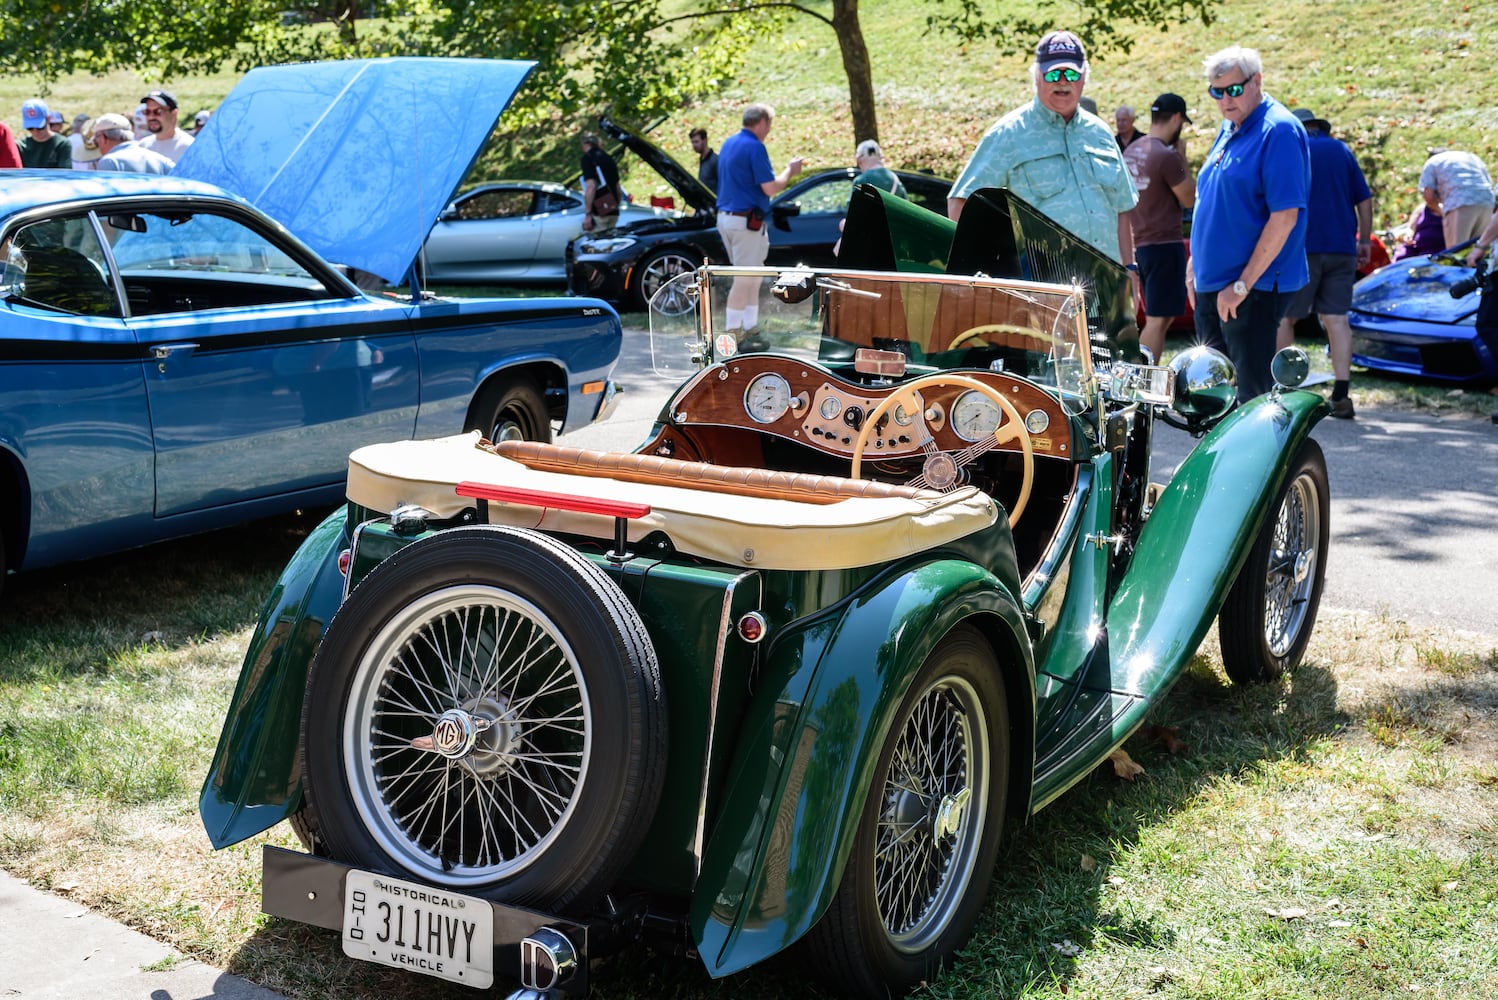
[1267,618]
[929,832]
[485,714]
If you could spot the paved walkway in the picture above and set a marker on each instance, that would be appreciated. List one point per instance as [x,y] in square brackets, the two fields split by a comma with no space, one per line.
[53,948]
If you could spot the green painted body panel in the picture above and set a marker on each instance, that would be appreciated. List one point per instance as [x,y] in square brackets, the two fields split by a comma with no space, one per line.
[255,779]
[810,743]
[1120,643]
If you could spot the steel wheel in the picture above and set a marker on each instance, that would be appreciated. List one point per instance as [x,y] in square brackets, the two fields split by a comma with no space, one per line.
[929,831]
[932,814]
[512,412]
[1268,615]
[468,697]
[485,713]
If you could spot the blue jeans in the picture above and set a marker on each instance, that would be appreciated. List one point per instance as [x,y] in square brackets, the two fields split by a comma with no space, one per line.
[1248,339]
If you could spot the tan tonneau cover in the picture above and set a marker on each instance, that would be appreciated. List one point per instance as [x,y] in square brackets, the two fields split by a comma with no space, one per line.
[744,531]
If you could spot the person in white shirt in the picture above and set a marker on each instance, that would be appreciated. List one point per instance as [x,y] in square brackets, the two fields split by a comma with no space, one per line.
[161,119]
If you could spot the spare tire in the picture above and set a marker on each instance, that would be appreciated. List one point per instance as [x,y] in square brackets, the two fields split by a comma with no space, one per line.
[485,713]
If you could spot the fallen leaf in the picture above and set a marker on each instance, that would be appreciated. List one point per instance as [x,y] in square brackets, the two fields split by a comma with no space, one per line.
[1067,947]
[1088,863]
[1124,766]
[1115,880]
[1288,913]
[65,886]
[1167,737]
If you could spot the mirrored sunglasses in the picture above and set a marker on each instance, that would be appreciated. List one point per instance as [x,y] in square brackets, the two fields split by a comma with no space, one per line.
[1057,75]
[1231,90]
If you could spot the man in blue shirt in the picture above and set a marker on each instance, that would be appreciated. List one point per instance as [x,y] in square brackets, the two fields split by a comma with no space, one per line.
[1339,240]
[1248,234]
[746,183]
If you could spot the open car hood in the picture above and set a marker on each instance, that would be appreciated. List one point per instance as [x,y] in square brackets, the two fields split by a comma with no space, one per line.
[345,155]
[693,192]
[1416,288]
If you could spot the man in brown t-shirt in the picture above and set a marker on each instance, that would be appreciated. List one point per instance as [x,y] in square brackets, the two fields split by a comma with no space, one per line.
[1165,189]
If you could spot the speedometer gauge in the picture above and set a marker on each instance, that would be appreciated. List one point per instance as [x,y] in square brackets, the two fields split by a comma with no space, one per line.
[767,398]
[974,416]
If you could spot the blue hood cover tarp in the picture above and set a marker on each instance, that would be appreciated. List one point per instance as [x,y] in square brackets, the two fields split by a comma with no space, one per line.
[346,155]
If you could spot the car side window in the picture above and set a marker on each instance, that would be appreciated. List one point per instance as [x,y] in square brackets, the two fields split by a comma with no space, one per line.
[553,202]
[826,199]
[64,268]
[187,261]
[496,205]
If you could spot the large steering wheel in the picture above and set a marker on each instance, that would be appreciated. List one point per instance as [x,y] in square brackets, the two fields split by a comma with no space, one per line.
[939,471]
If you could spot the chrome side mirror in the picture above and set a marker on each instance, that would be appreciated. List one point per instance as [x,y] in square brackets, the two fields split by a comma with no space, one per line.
[12,273]
[1290,367]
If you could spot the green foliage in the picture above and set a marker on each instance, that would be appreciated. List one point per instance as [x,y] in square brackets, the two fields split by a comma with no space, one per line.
[1106,25]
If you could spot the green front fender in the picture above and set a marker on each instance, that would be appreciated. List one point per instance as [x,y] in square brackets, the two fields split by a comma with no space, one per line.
[1197,538]
[810,744]
[255,780]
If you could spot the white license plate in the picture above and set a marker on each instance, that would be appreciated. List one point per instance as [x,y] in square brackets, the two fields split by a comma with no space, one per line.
[406,925]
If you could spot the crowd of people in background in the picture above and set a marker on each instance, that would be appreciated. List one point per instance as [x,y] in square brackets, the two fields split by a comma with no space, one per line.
[1280,214]
[150,141]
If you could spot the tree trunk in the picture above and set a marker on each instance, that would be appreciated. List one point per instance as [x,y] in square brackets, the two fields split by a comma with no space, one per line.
[856,65]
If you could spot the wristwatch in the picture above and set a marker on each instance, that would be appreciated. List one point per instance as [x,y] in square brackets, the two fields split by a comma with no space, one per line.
[1239,288]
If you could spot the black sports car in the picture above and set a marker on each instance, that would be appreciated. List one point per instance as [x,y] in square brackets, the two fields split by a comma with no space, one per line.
[628,264]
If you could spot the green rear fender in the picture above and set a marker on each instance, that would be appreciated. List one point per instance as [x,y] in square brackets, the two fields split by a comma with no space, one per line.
[255,780]
[1198,536]
[810,744]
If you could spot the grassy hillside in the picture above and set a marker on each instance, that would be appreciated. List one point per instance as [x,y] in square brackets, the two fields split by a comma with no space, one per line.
[1392,78]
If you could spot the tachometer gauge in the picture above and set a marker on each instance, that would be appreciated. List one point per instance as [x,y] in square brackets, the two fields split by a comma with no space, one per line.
[767,398]
[975,416]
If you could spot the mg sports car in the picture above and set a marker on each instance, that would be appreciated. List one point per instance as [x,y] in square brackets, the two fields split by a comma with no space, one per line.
[174,359]
[888,576]
[1421,317]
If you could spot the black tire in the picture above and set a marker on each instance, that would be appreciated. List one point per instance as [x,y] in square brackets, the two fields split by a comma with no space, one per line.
[878,939]
[655,271]
[1267,618]
[485,714]
[513,411]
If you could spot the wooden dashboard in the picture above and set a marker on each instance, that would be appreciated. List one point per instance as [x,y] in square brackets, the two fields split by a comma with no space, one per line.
[790,399]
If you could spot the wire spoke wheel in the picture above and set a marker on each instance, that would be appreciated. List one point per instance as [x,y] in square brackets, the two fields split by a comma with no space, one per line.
[466,739]
[1270,611]
[931,819]
[485,713]
[929,832]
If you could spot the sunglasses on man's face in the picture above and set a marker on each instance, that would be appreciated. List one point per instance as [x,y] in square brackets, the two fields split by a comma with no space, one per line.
[1057,75]
[1231,90]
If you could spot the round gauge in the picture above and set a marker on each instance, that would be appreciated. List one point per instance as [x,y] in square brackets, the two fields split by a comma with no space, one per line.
[1036,421]
[767,398]
[901,416]
[975,416]
[830,407]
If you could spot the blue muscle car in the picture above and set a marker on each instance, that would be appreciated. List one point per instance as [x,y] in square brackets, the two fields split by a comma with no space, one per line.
[173,359]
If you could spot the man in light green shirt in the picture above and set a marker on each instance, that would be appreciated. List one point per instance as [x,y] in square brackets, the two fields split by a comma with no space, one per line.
[868,160]
[1063,160]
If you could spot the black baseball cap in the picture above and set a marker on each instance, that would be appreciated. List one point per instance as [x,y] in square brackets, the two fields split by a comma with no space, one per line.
[1171,104]
[161,97]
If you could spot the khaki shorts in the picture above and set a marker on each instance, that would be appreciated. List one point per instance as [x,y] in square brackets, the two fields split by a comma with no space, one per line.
[746,247]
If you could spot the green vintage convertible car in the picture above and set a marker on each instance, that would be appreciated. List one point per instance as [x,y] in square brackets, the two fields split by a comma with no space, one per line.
[889,575]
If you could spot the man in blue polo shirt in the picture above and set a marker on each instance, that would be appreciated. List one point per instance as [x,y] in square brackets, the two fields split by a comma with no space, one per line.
[746,183]
[1248,234]
[1339,240]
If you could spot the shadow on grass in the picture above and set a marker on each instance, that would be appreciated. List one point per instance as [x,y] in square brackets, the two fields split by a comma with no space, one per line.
[168,594]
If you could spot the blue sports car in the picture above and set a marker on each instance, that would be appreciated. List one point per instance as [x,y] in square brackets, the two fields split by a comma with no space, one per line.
[1422,317]
[173,360]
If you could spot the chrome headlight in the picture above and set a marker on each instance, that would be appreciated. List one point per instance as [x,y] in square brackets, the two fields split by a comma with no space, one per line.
[606,244]
[1206,384]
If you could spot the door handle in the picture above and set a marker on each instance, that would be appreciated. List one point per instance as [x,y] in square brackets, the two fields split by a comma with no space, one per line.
[163,351]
